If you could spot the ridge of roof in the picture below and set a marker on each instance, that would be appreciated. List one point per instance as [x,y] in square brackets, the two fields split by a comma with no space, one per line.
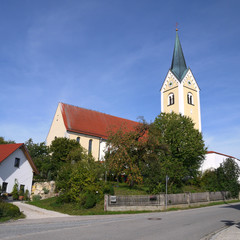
[178,66]
[91,122]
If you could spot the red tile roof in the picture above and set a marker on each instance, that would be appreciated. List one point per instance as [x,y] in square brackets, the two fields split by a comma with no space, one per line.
[7,149]
[221,154]
[93,123]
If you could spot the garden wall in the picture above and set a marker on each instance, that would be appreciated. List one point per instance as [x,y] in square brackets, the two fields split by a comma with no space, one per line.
[158,202]
[43,189]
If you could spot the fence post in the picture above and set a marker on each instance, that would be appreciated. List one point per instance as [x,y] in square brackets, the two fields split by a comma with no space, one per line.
[105,202]
[188,198]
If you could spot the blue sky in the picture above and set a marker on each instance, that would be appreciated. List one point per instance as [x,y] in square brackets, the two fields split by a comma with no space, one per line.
[112,56]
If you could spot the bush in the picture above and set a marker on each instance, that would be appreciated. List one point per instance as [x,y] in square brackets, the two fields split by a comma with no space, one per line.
[8,210]
[46,191]
[108,189]
[26,195]
[36,198]
[90,200]
[15,193]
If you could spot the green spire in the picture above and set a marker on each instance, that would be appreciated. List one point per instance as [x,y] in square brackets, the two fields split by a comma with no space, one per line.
[178,67]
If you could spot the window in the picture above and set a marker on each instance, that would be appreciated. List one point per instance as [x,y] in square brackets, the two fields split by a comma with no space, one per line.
[171,99]
[17,162]
[4,187]
[90,146]
[78,139]
[190,98]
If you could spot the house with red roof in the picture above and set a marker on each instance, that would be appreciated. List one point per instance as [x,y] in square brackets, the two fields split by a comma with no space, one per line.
[90,128]
[214,159]
[16,166]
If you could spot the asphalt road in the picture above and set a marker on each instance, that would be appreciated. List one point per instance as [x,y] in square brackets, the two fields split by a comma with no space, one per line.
[178,225]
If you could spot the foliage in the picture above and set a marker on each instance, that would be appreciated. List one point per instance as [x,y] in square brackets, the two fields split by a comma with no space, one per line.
[90,200]
[228,174]
[39,153]
[108,189]
[125,150]
[36,198]
[15,193]
[8,210]
[79,179]
[3,141]
[26,195]
[59,150]
[209,180]
[45,190]
[185,152]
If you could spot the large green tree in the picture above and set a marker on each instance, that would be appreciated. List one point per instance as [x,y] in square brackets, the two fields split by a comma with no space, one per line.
[59,151]
[125,149]
[79,179]
[228,174]
[186,149]
[39,153]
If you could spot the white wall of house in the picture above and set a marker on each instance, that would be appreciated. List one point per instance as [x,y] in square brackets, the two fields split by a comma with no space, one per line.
[213,161]
[23,174]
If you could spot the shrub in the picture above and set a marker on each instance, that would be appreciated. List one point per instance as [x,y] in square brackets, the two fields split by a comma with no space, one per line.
[15,193]
[108,189]
[26,195]
[36,198]
[8,210]
[46,191]
[90,200]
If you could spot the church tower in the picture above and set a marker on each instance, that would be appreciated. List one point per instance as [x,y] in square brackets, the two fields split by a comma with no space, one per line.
[180,91]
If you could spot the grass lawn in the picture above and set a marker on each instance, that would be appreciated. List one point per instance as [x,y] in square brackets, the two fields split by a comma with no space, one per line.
[74,209]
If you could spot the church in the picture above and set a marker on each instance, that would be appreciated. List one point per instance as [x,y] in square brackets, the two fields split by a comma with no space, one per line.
[180,93]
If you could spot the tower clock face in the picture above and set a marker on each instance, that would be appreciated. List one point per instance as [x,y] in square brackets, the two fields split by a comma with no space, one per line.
[170,84]
[189,82]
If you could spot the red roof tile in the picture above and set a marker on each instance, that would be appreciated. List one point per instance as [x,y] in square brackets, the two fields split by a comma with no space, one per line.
[93,123]
[7,149]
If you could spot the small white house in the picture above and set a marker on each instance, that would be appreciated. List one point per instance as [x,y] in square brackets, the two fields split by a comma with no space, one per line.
[214,159]
[16,166]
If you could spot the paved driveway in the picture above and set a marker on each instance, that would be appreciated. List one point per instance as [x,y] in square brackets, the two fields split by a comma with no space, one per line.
[33,212]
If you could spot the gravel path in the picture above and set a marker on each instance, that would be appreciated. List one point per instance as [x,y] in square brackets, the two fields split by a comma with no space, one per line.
[33,212]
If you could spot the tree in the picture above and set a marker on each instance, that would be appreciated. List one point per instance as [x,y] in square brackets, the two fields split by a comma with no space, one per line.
[2,141]
[79,179]
[228,174]
[124,152]
[209,180]
[186,149]
[39,153]
[59,151]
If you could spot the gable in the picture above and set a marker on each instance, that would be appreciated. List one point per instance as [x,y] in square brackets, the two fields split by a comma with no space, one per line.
[93,123]
[7,149]
[190,82]
[170,82]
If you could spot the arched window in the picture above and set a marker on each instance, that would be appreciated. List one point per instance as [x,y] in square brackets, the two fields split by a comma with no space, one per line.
[171,99]
[90,146]
[190,98]
[78,139]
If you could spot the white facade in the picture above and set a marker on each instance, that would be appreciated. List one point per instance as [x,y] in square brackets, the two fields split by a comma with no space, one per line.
[10,174]
[214,159]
